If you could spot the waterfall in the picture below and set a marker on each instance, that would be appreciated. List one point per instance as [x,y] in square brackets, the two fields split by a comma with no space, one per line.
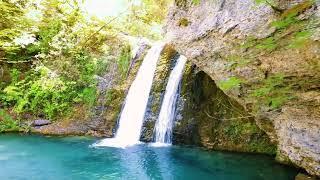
[163,128]
[132,115]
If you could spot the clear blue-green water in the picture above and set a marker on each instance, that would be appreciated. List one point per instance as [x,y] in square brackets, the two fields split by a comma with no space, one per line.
[46,158]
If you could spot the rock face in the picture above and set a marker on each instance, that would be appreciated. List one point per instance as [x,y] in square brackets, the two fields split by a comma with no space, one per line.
[209,118]
[264,57]
[164,66]
[112,87]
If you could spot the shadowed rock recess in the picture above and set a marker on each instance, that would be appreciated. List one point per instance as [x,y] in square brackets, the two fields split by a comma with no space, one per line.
[209,118]
[266,59]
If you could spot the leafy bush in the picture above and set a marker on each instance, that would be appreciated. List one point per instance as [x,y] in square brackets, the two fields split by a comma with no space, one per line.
[7,123]
[42,92]
[89,96]
[196,2]
[14,74]
[66,50]
[124,60]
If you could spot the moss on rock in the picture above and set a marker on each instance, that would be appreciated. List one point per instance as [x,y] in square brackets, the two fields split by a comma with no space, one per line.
[213,120]
[164,66]
[184,22]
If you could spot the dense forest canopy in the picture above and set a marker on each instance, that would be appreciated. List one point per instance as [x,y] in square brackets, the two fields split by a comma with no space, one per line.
[55,48]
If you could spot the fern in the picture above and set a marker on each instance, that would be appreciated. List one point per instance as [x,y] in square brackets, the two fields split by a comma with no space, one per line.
[7,123]
[196,2]
[274,92]
[284,23]
[300,39]
[268,44]
[230,83]
[124,60]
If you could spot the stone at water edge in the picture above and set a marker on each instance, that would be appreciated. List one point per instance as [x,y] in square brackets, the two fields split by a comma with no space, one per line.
[41,122]
[302,176]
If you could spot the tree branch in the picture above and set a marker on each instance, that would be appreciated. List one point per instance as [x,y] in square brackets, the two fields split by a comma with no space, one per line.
[105,25]
[13,62]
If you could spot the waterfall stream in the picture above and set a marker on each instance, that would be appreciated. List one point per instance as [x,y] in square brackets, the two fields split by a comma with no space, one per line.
[163,128]
[132,115]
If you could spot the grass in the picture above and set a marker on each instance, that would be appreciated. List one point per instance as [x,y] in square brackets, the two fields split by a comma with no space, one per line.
[230,83]
[273,92]
[7,123]
[196,2]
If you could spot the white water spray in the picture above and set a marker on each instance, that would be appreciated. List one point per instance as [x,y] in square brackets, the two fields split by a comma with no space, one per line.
[132,115]
[163,128]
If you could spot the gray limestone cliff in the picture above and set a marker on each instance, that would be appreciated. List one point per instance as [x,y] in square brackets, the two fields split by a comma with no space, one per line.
[266,57]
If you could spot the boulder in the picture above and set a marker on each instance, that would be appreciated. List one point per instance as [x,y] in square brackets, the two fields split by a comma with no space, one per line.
[266,58]
[41,122]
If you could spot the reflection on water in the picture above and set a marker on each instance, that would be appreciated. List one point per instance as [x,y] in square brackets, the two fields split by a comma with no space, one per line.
[64,158]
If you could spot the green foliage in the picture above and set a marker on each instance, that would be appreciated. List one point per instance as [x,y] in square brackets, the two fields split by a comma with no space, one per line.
[59,40]
[288,17]
[67,50]
[11,22]
[151,11]
[84,69]
[263,145]
[42,92]
[300,39]
[102,65]
[270,3]
[261,1]
[114,97]
[230,83]
[124,60]
[250,42]
[46,35]
[14,74]
[238,128]
[273,92]
[7,123]
[146,19]
[89,96]
[196,2]
[267,44]
[237,61]
[297,9]
[287,26]
[285,22]
[258,141]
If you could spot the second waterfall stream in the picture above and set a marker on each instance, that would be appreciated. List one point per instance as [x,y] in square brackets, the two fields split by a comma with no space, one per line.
[132,115]
[163,128]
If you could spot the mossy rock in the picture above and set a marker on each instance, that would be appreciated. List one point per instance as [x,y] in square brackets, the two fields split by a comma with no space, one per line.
[165,64]
[184,22]
[213,120]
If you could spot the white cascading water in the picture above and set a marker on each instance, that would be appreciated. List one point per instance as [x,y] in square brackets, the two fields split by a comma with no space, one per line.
[132,115]
[163,128]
